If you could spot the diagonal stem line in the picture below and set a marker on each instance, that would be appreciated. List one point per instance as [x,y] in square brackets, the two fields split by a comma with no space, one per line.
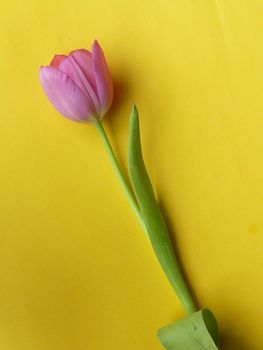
[120,174]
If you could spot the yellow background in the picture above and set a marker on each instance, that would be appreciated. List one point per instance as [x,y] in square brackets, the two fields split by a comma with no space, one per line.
[76,271]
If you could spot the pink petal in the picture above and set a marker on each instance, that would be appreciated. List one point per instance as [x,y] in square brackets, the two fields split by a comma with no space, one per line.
[57,59]
[103,78]
[71,67]
[84,59]
[65,95]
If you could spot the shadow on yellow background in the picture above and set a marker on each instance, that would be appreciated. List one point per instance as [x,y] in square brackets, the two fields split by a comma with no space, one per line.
[76,271]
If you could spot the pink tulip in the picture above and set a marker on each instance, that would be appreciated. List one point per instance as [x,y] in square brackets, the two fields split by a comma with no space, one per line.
[79,85]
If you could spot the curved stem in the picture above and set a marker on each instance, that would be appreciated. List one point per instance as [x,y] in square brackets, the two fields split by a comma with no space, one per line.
[120,174]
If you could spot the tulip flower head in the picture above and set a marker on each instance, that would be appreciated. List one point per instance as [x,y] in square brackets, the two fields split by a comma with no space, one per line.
[79,85]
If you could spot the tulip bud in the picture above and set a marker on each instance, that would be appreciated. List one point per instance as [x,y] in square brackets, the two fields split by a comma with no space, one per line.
[79,85]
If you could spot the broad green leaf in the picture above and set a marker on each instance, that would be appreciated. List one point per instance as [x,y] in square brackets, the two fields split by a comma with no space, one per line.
[152,216]
[198,331]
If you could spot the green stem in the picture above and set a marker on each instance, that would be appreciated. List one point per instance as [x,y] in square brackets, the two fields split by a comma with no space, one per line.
[120,174]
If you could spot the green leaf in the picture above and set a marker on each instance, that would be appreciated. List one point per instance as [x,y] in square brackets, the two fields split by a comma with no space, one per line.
[198,331]
[152,215]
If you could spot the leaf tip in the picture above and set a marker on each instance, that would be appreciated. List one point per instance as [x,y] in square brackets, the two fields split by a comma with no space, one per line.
[134,111]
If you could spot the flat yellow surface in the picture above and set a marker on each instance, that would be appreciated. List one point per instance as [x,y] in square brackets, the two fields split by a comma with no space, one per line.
[76,271]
